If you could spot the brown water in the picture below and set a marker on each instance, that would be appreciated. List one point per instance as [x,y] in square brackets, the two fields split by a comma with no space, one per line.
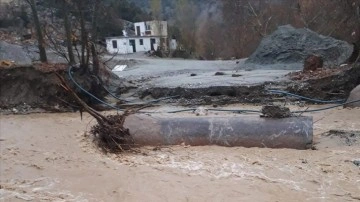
[47,157]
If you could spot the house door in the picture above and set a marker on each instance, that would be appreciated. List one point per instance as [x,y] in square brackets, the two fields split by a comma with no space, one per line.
[132,43]
[152,42]
[138,30]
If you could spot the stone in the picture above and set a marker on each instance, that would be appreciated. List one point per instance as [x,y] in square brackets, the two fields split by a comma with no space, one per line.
[288,47]
[275,111]
[236,75]
[354,95]
[219,73]
[312,63]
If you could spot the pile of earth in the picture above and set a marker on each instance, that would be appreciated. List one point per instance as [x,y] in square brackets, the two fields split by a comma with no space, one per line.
[36,87]
[326,84]
[287,48]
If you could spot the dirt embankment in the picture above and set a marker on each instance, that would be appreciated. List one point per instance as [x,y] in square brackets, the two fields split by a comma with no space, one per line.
[37,88]
[326,84]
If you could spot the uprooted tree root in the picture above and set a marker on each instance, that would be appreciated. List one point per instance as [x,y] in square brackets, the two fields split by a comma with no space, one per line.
[109,132]
[112,136]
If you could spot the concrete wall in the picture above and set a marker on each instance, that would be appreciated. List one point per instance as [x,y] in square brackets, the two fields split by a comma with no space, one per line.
[146,44]
[142,28]
[157,28]
[124,47]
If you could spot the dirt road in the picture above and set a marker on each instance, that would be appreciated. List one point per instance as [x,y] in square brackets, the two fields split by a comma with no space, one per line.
[47,157]
[172,73]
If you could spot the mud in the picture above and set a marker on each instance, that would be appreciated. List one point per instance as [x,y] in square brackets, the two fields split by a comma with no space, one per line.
[275,111]
[330,87]
[219,95]
[340,138]
[32,89]
[36,88]
[26,88]
[58,162]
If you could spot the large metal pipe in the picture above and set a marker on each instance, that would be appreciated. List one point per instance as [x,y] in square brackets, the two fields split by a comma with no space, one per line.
[241,130]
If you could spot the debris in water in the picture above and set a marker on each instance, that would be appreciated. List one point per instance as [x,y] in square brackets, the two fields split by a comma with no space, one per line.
[274,111]
[219,73]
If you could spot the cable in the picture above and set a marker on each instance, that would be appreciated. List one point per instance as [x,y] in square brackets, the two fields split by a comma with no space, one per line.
[143,103]
[181,110]
[105,103]
[113,95]
[305,98]
[219,110]
[235,110]
[91,95]
[326,108]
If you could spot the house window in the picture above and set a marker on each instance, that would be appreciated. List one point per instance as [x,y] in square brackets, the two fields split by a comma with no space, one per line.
[148,27]
[141,42]
[114,43]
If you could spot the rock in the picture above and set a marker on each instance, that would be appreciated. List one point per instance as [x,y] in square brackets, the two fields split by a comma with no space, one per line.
[312,63]
[201,111]
[14,53]
[219,73]
[356,162]
[354,95]
[274,111]
[288,47]
[14,110]
[236,75]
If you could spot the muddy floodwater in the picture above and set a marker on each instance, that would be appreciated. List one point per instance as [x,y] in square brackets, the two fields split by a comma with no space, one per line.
[49,157]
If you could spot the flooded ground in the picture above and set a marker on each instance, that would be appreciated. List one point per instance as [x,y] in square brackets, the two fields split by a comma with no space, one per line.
[49,157]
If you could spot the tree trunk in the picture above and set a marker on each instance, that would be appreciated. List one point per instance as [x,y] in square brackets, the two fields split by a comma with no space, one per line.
[67,25]
[95,21]
[83,39]
[40,37]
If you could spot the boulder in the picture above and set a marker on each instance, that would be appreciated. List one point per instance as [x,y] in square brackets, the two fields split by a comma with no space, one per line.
[354,95]
[288,47]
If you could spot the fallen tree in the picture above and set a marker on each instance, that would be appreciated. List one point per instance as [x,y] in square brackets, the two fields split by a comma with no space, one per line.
[109,132]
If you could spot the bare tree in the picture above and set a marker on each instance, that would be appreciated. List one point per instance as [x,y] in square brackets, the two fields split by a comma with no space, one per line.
[39,33]
[67,26]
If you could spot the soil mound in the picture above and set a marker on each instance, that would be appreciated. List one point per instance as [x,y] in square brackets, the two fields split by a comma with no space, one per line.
[288,47]
[33,88]
[325,84]
[30,88]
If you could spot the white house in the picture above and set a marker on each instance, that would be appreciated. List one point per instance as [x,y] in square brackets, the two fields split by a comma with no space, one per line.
[126,45]
[149,35]
[151,28]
